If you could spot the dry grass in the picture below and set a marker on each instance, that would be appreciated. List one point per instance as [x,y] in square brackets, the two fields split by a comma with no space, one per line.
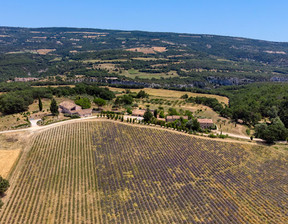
[149,59]
[11,145]
[159,49]
[7,161]
[45,51]
[53,86]
[107,66]
[142,49]
[172,94]
[8,122]
[178,94]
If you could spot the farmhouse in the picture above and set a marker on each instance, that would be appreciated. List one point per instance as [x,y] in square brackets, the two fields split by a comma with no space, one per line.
[205,123]
[175,117]
[140,112]
[68,107]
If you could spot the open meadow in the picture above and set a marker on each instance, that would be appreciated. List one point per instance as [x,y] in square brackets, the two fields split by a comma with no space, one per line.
[111,172]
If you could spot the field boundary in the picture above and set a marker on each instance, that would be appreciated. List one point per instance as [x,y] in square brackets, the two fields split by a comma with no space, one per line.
[17,168]
[43,128]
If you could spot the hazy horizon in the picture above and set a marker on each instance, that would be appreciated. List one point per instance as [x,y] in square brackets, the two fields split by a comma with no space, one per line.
[262,20]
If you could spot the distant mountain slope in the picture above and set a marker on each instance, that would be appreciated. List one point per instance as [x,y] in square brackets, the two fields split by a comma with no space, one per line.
[164,59]
[66,40]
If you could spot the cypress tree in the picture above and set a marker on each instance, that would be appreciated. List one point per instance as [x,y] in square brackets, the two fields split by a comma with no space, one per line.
[54,107]
[40,104]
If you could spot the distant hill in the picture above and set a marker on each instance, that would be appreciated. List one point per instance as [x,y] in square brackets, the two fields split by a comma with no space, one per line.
[255,60]
[64,40]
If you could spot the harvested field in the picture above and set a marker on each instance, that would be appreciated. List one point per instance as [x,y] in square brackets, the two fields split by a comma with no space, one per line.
[159,49]
[45,51]
[174,94]
[103,172]
[7,160]
[148,50]
[11,145]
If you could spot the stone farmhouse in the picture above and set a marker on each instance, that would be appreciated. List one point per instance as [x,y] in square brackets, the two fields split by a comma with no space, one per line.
[205,123]
[69,107]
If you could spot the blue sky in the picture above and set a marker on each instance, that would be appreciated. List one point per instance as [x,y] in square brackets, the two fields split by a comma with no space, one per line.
[259,19]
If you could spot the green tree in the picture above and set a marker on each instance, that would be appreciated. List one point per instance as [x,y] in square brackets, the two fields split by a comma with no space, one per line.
[83,102]
[275,131]
[196,125]
[193,124]
[40,105]
[142,94]
[99,102]
[11,103]
[4,185]
[172,111]
[161,114]
[155,113]
[148,115]
[54,107]
[125,99]
[185,96]
[129,110]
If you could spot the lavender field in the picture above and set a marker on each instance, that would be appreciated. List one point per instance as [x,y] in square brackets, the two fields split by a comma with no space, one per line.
[107,172]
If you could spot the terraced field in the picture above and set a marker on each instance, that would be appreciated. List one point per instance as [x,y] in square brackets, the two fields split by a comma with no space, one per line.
[107,172]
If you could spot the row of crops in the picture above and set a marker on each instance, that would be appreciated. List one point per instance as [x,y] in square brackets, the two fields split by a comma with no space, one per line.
[108,172]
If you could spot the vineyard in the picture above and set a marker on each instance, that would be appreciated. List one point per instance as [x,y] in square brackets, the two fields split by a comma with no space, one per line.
[108,172]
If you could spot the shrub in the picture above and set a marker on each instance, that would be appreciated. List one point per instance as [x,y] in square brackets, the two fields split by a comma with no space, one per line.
[83,102]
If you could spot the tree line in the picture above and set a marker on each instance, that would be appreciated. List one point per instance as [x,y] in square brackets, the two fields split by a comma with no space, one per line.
[19,101]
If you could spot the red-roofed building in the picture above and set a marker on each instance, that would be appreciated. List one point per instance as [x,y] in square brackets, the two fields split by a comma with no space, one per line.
[69,107]
[205,123]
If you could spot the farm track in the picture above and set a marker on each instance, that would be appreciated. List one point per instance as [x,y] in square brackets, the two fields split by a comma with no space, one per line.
[109,172]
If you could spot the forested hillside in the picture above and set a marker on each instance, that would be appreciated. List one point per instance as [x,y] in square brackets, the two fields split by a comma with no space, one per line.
[167,59]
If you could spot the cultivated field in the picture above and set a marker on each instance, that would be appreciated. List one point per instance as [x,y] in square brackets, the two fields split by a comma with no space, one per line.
[132,73]
[107,172]
[173,94]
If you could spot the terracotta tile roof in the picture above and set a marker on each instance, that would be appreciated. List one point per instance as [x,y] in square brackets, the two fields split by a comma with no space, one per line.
[68,104]
[67,107]
[140,112]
